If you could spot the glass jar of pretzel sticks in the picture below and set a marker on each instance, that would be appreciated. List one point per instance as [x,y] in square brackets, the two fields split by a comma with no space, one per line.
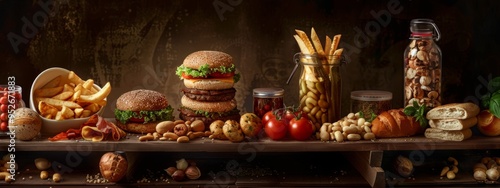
[319,87]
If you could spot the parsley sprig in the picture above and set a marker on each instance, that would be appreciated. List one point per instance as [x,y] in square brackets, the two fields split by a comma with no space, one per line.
[419,112]
[492,99]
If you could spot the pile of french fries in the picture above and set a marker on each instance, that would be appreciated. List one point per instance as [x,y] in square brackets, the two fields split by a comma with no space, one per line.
[330,54]
[70,97]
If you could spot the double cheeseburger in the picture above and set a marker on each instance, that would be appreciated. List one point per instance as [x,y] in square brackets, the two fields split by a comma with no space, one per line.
[139,111]
[209,77]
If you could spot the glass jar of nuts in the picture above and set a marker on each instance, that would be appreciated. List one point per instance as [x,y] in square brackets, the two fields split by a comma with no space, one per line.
[422,65]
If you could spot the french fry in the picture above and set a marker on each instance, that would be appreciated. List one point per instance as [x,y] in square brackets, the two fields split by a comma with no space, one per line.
[93,107]
[72,77]
[78,112]
[46,109]
[59,103]
[68,87]
[336,56]
[302,35]
[63,95]
[53,83]
[328,43]
[102,102]
[75,96]
[85,113]
[84,91]
[48,92]
[316,42]
[100,95]
[67,113]
[88,84]
[335,44]
[59,116]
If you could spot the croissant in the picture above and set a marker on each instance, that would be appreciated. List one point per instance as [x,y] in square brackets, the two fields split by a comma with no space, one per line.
[395,123]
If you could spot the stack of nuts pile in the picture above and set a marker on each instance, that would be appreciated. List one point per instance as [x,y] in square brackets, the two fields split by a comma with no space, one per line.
[487,169]
[43,164]
[184,170]
[352,127]
[450,170]
[5,166]
[179,130]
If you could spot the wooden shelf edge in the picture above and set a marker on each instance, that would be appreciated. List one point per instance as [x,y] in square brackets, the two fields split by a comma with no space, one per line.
[364,161]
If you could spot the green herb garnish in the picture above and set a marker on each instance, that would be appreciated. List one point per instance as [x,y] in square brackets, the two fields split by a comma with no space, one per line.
[492,99]
[419,112]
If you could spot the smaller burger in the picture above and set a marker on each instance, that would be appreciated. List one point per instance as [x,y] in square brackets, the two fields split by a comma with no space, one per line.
[139,111]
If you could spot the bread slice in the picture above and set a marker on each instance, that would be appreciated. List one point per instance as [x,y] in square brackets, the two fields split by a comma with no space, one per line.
[453,124]
[448,135]
[454,111]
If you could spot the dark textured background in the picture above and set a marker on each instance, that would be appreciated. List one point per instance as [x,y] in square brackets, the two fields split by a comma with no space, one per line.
[139,43]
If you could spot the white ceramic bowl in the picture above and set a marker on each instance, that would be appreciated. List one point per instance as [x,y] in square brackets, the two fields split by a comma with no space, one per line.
[52,127]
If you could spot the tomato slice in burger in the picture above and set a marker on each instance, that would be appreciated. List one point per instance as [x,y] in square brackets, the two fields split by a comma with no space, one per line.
[221,75]
[136,120]
[187,76]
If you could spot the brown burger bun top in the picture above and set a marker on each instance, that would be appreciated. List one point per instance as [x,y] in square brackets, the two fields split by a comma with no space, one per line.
[214,59]
[141,99]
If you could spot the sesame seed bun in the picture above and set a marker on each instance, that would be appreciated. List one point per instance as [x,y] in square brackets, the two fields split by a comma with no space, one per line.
[141,99]
[214,59]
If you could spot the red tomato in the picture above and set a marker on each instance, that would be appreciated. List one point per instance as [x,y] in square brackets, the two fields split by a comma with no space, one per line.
[300,129]
[220,75]
[4,117]
[267,117]
[186,76]
[136,120]
[4,108]
[275,129]
[18,96]
[3,100]
[4,127]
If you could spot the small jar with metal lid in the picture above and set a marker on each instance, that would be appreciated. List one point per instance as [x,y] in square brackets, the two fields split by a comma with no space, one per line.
[267,99]
[370,102]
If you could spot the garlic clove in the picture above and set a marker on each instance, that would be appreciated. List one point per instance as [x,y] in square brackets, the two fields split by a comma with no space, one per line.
[182,164]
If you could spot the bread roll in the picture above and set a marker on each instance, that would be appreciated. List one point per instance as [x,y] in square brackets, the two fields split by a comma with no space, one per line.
[394,123]
[448,135]
[453,124]
[454,111]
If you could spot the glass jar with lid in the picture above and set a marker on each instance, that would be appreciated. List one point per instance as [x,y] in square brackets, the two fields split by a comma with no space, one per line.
[370,102]
[267,99]
[423,64]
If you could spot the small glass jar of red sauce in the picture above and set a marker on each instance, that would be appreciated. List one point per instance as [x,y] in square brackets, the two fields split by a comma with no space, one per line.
[267,99]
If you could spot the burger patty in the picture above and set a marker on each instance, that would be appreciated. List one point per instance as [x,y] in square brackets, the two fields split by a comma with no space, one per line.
[189,115]
[209,95]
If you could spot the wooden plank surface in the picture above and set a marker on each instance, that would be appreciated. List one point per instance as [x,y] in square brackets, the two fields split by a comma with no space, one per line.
[262,145]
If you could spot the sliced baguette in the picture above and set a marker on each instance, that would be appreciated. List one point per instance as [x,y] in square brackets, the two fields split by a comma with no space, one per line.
[453,124]
[454,111]
[448,135]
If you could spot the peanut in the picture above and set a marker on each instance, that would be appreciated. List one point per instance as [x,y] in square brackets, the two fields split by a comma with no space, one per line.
[147,137]
[369,136]
[170,136]
[195,135]
[339,136]
[450,175]
[444,171]
[453,161]
[56,177]
[183,139]
[44,175]
[353,137]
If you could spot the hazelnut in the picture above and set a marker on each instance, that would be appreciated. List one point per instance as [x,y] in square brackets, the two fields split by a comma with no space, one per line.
[170,170]
[178,175]
[181,129]
[193,172]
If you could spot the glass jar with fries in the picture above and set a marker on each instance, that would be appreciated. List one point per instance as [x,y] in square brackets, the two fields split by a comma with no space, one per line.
[319,87]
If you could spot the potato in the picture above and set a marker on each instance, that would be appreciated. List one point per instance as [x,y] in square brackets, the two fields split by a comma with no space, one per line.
[250,124]
[216,130]
[232,131]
